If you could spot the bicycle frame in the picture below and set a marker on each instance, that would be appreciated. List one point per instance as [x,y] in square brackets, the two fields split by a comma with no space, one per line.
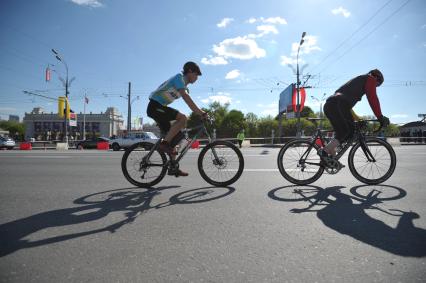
[201,129]
[357,137]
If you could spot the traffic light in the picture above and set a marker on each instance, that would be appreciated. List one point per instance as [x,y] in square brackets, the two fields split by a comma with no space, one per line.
[61,107]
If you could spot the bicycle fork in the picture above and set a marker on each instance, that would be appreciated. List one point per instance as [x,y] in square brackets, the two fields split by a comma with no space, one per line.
[367,151]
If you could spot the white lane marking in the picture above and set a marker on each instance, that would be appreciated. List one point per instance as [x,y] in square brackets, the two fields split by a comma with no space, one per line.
[257,155]
[41,156]
[245,170]
[261,170]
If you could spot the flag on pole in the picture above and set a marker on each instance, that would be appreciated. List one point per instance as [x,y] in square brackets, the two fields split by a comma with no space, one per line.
[86,100]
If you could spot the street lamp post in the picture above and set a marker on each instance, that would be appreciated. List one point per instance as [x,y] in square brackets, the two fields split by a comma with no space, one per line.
[298,85]
[67,84]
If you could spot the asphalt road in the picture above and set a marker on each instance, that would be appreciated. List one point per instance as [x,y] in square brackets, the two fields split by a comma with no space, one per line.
[71,216]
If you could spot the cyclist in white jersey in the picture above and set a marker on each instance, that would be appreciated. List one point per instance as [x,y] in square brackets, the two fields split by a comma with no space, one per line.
[158,109]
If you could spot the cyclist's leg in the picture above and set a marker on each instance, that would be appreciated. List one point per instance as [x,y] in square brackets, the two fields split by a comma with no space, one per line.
[163,115]
[339,114]
[178,125]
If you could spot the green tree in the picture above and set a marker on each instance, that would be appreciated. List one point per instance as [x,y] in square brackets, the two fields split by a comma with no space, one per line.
[218,112]
[16,129]
[307,112]
[392,131]
[290,127]
[251,121]
[266,125]
[232,124]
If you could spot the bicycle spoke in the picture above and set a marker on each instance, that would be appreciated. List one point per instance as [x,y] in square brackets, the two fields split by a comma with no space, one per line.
[141,171]
[297,165]
[220,163]
[369,171]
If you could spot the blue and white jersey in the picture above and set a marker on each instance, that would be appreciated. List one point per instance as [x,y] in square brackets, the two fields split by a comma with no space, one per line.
[168,91]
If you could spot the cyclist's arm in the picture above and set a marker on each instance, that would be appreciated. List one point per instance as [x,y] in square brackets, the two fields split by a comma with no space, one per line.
[191,104]
[370,89]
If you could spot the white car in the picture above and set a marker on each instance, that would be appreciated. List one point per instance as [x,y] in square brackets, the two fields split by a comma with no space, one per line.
[132,138]
[6,142]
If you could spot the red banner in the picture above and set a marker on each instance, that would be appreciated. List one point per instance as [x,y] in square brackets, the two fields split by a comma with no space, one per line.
[302,97]
[47,74]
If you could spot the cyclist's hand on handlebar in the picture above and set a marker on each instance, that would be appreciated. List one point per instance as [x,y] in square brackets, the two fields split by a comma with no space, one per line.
[384,121]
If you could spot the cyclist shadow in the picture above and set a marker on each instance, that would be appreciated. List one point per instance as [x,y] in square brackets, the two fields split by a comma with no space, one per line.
[133,202]
[346,217]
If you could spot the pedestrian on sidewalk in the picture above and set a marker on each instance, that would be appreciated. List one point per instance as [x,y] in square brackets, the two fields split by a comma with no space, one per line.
[241,137]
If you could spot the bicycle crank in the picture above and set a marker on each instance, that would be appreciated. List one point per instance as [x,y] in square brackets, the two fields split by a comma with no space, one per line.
[333,166]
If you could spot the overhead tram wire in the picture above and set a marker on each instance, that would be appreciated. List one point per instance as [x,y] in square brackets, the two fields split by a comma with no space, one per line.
[355,32]
[367,35]
[40,95]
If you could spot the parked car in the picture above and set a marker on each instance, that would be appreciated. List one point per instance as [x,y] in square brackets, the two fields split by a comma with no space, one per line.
[92,143]
[132,138]
[6,142]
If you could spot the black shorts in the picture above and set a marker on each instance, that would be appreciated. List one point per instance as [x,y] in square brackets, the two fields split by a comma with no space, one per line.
[338,111]
[161,114]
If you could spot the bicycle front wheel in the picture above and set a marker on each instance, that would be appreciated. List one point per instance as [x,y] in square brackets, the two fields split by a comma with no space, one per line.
[299,162]
[220,163]
[140,170]
[374,163]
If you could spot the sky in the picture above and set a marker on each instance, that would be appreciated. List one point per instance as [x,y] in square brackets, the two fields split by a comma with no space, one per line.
[246,50]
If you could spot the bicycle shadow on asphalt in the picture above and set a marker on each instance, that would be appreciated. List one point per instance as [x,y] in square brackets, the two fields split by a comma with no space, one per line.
[131,201]
[346,217]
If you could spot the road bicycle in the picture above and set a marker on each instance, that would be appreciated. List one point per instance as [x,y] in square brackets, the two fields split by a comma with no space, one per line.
[371,159]
[220,163]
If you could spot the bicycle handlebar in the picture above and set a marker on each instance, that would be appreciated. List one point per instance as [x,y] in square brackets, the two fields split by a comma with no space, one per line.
[372,120]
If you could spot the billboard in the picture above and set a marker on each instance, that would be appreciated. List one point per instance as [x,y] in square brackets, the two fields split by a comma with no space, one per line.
[285,103]
[73,120]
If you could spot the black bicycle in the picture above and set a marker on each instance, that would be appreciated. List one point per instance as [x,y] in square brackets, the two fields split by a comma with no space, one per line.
[371,160]
[220,162]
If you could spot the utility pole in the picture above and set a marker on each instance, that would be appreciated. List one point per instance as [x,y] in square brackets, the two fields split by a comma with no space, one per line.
[129,110]
[84,116]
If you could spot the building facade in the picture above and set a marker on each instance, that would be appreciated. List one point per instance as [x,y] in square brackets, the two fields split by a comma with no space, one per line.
[49,126]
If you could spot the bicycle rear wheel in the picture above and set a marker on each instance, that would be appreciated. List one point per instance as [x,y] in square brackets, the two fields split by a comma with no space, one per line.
[220,163]
[368,171]
[299,162]
[139,170]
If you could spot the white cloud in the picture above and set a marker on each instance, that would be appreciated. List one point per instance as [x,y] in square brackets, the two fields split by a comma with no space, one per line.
[218,60]
[90,3]
[271,20]
[221,97]
[243,48]
[251,20]
[288,60]
[224,22]
[399,116]
[265,29]
[309,45]
[270,109]
[342,11]
[232,75]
